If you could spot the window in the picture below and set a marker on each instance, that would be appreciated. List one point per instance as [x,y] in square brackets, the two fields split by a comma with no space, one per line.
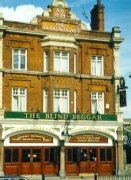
[75,62]
[20,59]
[97,100]
[128,154]
[97,65]
[45,107]
[72,155]
[11,155]
[75,100]
[19,99]
[46,61]
[105,154]
[61,61]
[61,101]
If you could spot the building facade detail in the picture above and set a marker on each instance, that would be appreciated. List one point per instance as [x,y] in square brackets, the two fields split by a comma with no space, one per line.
[59,105]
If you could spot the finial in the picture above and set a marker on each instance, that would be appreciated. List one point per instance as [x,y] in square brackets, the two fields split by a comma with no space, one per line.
[98,2]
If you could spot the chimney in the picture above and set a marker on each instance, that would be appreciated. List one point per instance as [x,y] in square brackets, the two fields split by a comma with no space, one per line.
[97,17]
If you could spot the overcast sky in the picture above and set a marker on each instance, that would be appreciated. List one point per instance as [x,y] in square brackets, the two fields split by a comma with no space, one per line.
[117,13]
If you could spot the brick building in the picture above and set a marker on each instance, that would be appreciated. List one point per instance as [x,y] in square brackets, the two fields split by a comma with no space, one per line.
[59,106]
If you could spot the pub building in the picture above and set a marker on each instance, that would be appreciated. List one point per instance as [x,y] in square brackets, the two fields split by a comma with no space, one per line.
[60,111]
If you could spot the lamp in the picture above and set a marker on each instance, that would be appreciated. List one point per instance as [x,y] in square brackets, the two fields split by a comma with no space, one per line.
[65,132]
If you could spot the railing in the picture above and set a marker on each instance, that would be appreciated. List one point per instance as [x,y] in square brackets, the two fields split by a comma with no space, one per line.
[123,177]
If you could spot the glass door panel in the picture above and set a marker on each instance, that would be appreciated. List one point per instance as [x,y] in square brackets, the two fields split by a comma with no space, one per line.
[36,154]
[26,155]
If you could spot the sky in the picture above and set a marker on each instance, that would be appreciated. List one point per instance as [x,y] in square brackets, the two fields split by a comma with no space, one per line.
[117,14]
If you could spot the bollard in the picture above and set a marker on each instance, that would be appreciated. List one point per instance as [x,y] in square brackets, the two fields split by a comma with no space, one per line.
[43,177]
[95,176]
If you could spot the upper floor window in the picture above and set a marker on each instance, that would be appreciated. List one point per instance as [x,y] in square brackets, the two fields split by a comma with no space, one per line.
[61,100]
[75,62]
[46,61]
[97,102]
[19,102]
[97,65]
[61,61]
[20,59]
[45,100]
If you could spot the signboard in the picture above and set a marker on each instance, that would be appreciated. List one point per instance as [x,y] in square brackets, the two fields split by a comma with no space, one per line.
[88,138]
[60,27]
[60,116]
[31,138]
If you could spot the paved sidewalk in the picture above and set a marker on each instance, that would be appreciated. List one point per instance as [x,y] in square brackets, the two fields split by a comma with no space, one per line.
[58,178]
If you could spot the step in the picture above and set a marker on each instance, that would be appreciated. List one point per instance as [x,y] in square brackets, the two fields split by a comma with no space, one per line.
[82,175]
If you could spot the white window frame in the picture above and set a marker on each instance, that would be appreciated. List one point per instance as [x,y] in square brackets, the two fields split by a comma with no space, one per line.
[45,100]
[17,95]
[59,62]
[60,95]
[97,65]
[97,102]
[46,61]
[19,54]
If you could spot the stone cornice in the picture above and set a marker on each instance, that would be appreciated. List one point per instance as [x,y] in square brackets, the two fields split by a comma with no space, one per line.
[42,74]
[78,37]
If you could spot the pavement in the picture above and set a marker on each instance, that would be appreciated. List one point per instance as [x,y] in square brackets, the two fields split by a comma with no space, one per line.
[39,177]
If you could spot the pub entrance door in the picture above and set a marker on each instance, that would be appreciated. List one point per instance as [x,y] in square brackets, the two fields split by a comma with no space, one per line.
[31,161]
[88,160]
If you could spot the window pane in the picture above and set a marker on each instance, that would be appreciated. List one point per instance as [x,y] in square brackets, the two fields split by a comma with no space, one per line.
[93,154]
[83,155]
[45,108]
[109,154]
[97,65]
[36,155]
[19,59]
[61,61]
[69,154]
[75,154]
[47,155]
[22,62]
[102,155]
[46,60]
[26,154]
[128,154]
[7,155]
[15,65]
[52,155]
[19,99]
[15,155]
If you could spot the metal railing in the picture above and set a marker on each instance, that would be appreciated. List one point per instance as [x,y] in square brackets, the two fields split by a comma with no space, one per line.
[123,177]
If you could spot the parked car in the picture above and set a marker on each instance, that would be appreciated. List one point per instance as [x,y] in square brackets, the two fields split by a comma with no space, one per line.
[13,178]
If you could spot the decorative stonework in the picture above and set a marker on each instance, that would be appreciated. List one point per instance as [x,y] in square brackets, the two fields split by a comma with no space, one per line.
[62,3]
